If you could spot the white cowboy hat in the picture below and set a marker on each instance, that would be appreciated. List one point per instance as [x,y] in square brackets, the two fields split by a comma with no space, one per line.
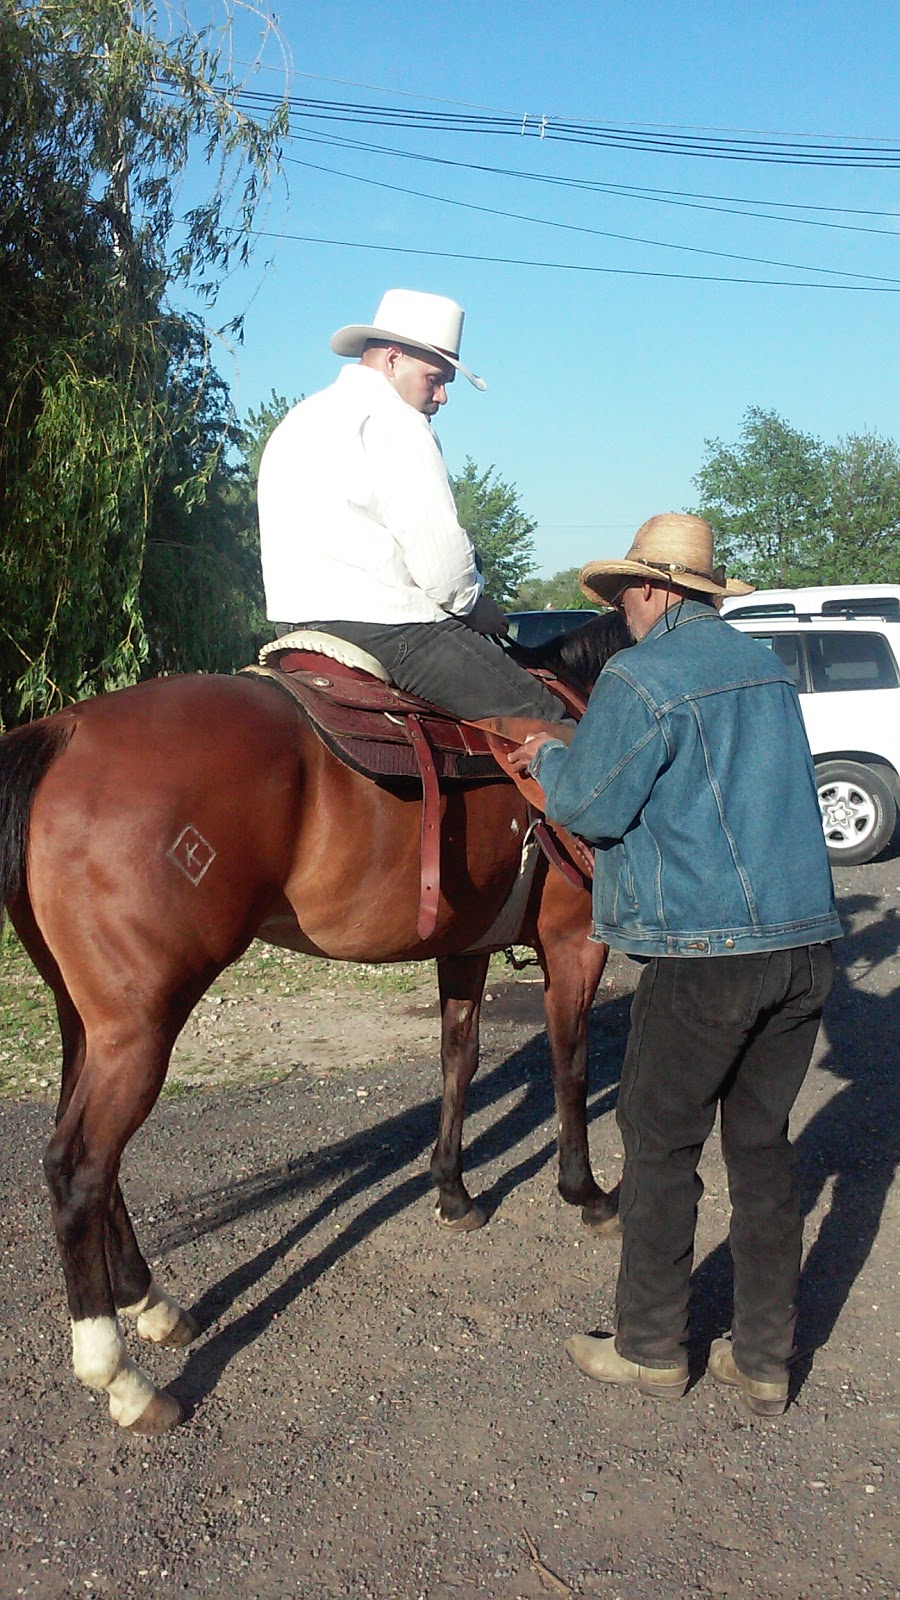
[672,547]
[427,322]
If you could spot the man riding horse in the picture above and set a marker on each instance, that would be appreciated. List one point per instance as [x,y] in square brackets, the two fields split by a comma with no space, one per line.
[358,527]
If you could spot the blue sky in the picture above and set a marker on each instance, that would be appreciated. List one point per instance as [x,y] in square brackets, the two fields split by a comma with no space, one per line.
[602,385]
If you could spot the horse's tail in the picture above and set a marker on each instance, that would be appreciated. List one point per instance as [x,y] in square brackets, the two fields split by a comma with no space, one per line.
[25,755]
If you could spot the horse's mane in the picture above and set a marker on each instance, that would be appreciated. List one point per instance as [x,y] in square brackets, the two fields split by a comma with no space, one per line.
[580,655]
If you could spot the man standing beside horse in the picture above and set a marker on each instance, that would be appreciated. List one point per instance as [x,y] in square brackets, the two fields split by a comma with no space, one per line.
[691,775]
[359,534]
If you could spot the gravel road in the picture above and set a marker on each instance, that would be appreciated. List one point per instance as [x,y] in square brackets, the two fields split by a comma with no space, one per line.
[384,1412]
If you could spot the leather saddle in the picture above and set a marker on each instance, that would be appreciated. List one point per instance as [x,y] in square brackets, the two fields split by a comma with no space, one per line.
[398,740]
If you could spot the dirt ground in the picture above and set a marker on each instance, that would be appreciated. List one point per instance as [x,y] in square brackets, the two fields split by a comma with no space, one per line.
[384,1412]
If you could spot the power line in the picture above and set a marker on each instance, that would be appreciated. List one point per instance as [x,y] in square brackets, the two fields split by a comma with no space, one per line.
[568,266]
[470,105]
[409,94]
[598,233]
[676,197]
[766,150]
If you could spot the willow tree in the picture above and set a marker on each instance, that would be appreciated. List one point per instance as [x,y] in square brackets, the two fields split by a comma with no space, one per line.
[108,113]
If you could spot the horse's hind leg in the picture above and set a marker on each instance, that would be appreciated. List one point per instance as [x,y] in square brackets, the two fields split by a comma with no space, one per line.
[157,1316]
[119,1081]
[461,983]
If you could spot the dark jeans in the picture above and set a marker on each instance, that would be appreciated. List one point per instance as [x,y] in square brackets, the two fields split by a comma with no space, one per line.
[449,665]
[735,1032]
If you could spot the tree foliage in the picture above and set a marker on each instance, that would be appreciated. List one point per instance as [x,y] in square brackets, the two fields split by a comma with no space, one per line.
[99,114]
[201,596]
[258,425]
[562,592]
[788,509]
[492,516]
[863,542]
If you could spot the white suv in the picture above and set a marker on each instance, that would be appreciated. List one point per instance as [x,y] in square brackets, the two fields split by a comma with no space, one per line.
[842,649]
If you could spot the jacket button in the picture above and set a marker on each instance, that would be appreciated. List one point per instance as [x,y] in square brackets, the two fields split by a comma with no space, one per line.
[729,944]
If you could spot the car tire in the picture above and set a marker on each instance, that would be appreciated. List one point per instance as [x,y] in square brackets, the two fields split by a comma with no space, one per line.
[859,813]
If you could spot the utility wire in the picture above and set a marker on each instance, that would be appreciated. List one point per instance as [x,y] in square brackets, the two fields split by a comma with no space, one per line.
[718,204]
[470,105]
[568,266]
[410,94]
[812,152]
[597,233]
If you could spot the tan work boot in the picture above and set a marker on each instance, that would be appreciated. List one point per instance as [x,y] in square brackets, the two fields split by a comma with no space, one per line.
[600,1359]
[763,1399]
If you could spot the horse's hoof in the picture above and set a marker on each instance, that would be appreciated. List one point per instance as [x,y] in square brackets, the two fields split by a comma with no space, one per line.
[163,1412]
[184,1332]
[602,1218]
[467,1223]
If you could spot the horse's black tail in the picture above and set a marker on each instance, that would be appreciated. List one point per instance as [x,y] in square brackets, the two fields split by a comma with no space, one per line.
[25,755]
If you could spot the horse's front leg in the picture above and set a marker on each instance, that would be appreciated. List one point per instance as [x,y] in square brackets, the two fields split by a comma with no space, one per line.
[573,967]
[461,984]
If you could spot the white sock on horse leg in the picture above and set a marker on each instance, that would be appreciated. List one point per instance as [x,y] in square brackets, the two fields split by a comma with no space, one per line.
[156,1315]
[99,1360]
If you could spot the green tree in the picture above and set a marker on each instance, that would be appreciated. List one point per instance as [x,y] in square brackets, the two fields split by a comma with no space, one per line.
[766,499]
[562,592]
[788,510]
[862,542]
[257,427]
[490,512]
[99,115]
[201,596]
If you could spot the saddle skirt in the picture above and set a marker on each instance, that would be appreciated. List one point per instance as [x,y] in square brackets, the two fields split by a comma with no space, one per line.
[394,738]
[368,723]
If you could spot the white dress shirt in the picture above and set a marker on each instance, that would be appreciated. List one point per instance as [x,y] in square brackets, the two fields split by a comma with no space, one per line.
[356,516]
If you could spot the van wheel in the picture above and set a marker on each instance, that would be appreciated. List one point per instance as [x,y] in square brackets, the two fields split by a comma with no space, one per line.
[859,813]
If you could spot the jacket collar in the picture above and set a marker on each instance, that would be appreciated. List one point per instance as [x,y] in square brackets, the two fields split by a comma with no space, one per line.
[677,616]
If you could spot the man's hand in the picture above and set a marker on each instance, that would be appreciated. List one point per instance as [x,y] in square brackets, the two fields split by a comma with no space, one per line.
[486,617]
[521,758]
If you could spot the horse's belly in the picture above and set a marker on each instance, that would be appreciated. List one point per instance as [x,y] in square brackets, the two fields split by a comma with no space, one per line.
[361,901]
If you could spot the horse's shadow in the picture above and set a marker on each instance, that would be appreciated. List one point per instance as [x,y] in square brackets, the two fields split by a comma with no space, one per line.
[852,1142]
[367,1161]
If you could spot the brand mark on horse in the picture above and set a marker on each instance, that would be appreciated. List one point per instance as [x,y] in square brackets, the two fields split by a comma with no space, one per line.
[192,854]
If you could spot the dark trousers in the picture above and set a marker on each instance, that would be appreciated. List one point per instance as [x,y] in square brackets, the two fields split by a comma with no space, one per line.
[449,665]
[729,1032]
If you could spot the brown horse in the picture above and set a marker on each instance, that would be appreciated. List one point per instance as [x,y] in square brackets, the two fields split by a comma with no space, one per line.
[146,838]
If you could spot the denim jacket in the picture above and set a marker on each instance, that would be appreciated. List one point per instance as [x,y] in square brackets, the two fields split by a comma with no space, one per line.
[690,773]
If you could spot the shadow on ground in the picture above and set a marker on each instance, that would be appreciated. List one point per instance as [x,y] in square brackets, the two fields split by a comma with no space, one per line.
[361,1169]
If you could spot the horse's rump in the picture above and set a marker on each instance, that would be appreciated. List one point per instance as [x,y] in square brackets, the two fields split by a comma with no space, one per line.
[25,756]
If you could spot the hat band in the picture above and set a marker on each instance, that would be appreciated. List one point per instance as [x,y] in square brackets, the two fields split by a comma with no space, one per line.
[677,566]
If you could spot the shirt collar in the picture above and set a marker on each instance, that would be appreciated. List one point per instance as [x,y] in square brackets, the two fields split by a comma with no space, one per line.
[356,376]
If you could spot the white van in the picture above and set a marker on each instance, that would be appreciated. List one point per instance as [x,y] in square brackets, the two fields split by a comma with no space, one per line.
[837,600]
[841,646]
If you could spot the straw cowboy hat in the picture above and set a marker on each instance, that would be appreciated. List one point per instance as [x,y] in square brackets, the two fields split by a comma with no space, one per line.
[737,586]
[406,316]
[669,547]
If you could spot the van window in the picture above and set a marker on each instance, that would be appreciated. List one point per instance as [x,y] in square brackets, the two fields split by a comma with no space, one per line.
[789,651]
[867,606]
[845,661]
